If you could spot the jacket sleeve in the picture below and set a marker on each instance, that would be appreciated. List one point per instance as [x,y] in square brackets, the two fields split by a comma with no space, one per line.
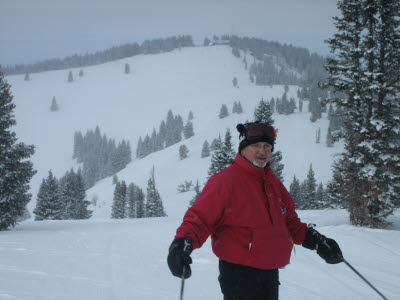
[205,214]
[296,228]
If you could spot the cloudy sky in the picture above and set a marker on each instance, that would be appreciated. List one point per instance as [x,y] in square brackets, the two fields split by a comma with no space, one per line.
[32,30]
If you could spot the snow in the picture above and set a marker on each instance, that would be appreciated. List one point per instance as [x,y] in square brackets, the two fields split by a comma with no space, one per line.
[108,259]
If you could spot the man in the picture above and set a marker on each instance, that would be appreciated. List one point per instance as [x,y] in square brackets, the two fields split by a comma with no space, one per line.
[252,222]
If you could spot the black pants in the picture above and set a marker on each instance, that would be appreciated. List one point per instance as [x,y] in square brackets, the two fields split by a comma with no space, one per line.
[245,283]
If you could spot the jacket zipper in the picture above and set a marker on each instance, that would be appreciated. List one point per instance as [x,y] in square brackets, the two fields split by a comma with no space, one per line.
[267,200]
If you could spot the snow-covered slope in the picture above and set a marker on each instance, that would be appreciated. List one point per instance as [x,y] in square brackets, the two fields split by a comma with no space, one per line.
[126,259]
[129,106]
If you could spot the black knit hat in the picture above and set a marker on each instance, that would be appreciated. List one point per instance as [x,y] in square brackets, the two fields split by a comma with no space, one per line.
[255,132]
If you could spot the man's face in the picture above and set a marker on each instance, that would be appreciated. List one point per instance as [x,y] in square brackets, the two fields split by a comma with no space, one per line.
[259,153]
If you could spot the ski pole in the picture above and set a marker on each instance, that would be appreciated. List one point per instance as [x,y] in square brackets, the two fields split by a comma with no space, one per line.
[322,240]
[183,282]
[363,278]
[185,249]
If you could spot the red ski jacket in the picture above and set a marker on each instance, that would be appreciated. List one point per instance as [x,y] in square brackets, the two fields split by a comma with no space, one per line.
[249,214]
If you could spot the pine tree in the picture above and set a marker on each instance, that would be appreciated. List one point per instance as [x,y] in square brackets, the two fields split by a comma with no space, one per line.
[188,130]
[15,169]
[54,105]
[295,192]
[214,144]
[235,82]
[227,149]
[318,136]
[364,77]
[80,73]
[223,155]
[70,77]
[329,141]
[131,199]
[27,77]
[205,151]
[48,203]
[140,208]
[119,201]
[154,205]
[190,116]
[310,190]
[320,197]
[276,164]
[239,109]
[217,163]
[263,112]
[223,111]
[127,68]
[183,152]
[197,191]
[73,197]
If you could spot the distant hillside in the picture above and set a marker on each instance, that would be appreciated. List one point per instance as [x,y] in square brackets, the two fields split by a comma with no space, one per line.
[100,57]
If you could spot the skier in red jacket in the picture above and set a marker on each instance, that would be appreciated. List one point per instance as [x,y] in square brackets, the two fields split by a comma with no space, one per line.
[252,221]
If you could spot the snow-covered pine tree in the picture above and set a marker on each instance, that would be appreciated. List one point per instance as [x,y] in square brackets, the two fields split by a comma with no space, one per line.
[227,149]
[27,77]
[239,109]
[320,197]
[217,163]
[154,205]
[140,208]
[197,190]
[364,76]
[214,144]
[15,169]
[295,192]
[70,77]
[80,73]
[119,201]
[272,105]
[300,105]
[73,196]
[48,202]
[205,151]
[190,116]
[223,155]
[276,164]
[318,136]
[310,190]
[54,105]
[127,68]
[234,108]
[131,199]
[235,82]
[188,130]
[223,111]
[263,113]
[329,141]
[183,152]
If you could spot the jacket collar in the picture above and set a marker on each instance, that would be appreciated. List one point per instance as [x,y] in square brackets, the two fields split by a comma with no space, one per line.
[248,167]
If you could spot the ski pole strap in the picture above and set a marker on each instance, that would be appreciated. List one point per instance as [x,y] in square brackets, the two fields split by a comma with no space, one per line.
[366,281]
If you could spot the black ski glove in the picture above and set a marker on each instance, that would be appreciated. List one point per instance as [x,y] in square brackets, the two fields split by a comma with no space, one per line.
[327,248]
[179,256]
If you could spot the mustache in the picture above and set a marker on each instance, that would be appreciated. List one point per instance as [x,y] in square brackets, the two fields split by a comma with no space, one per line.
[261,156]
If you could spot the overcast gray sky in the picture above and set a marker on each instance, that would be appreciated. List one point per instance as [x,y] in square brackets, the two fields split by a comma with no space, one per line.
[32,30]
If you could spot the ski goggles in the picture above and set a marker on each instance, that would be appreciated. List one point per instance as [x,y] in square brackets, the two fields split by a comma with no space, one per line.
[256,131]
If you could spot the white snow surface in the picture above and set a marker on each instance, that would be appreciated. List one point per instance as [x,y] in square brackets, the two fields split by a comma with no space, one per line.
[108,259]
